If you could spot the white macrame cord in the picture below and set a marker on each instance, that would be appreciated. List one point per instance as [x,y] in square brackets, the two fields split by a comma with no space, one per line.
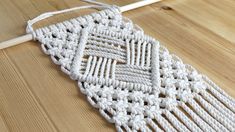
[132,79]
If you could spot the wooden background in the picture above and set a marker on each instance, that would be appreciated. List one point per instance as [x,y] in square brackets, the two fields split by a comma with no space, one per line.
[36,96]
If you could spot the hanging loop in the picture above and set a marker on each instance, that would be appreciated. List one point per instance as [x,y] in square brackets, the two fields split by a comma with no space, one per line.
[29,28]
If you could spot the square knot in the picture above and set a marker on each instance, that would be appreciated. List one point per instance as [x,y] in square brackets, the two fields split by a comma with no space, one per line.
[152,111]
[184,95]
[121,118]
[197,87]
[168,103]
[121,105]
[136,108]
[137,122]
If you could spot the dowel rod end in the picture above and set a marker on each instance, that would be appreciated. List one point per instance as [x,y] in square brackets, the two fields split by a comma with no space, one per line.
[16,41]
[137,5]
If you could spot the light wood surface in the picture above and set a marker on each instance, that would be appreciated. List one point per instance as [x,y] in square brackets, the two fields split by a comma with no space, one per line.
[36,96]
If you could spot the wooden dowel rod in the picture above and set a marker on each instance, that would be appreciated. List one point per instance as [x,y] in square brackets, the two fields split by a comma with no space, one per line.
[28,37]
[16,41]
[137,5]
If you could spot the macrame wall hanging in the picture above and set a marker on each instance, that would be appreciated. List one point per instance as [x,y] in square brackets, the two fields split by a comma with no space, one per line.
[130,77]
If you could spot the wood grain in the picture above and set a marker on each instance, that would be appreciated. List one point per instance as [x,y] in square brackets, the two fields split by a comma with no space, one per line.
[36,96]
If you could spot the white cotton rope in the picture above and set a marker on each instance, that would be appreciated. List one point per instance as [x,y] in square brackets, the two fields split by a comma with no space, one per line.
[29,28]
[130,77]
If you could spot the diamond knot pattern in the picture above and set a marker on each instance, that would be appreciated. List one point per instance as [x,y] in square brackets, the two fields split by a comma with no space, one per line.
[132,79]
